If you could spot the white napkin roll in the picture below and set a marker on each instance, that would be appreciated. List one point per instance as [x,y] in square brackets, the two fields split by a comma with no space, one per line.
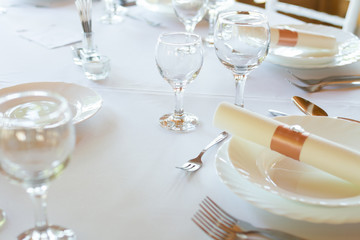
[319,152]
[297,38]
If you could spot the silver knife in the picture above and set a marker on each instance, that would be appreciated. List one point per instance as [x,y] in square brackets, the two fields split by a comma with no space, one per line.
[269,233]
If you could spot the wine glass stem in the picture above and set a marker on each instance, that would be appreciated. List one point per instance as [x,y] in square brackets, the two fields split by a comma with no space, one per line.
[212,19]
[179,110]
[240,80]
[39,196]
[190,27]
[111,7]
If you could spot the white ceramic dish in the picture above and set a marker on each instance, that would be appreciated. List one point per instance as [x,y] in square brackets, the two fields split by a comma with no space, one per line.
[83,101]
[295,180]
[251,180]
[159,6]
[348,50]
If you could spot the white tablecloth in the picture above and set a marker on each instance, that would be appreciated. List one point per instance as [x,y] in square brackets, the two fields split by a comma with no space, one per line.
[122,182]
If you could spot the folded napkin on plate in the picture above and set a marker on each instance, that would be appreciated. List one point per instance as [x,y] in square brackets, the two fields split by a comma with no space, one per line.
[282,36]
[291,141]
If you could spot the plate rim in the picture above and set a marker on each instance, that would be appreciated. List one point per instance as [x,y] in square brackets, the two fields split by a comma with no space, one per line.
[276,204]
[272,58]
[78,118]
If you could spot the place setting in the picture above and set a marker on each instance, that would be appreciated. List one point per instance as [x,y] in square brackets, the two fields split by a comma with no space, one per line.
[187,79]
[306,47]
[298,189]
[312,46]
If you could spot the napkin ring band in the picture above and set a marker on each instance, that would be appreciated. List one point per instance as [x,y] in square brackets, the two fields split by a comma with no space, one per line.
[287,38]
[288,140]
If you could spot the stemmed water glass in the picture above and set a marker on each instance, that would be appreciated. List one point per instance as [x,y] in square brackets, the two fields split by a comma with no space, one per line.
[241,44]
[190,12]
[214,7]
[179,58]
[114,12]
[36,139]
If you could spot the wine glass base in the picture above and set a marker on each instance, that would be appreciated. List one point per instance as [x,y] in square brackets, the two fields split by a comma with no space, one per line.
[50,233]
[209,41]
[187,122]
[2,217]
[114,19]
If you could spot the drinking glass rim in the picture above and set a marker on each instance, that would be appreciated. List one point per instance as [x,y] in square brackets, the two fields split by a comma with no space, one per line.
[261,20]
[196,37]
[63,107]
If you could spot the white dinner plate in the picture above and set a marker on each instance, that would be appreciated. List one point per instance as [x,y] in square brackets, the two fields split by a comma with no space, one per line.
[159,6]
[348,50]
[293,179]
[83,101]
[247,178]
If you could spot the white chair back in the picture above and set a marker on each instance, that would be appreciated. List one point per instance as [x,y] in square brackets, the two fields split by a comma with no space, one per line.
[347,24]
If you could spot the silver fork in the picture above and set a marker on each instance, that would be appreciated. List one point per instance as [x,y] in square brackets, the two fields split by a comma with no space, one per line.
[215,215]
[318,86]
[219,231]
[338,78]
[196,163]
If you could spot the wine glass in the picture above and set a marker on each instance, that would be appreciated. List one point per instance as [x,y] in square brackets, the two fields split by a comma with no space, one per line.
[3,10]
[214,7]
[179,58]
[241,43]
[114,12]
[190,12]
[36,139]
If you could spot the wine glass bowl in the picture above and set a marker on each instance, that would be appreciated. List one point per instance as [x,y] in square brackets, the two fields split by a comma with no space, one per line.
[214,7]
[241,43]
[179,58]
[36,139]
[190,12]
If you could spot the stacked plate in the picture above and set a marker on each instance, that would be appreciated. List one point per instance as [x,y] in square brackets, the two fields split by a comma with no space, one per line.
[290,188]
[295,57]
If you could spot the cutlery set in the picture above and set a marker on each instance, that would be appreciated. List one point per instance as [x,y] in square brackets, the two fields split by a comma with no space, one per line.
[220,225]
[312,109]
[315,85]
[308,108]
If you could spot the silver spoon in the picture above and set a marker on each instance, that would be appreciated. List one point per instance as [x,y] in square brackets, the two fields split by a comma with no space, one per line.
[312,109]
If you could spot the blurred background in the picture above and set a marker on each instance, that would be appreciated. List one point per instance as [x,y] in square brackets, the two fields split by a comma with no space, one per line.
[335,7]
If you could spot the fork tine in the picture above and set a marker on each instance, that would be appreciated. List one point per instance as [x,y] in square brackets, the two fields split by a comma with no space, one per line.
[225,226]
[217,209]
[309,81]
[189,167]
[308,88]
[194,168]
[186,165]
[208,228]
[215,217]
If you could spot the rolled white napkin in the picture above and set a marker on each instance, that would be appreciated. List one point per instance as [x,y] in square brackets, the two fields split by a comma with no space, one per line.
[319,152]
[282,36]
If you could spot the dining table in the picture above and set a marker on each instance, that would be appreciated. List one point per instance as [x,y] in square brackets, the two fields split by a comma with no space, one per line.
[122,181]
